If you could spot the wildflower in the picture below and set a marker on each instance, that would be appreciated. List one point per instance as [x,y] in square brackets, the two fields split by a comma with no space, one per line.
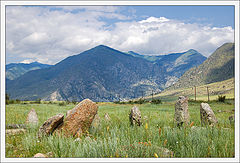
[107,128]
[149,143]
[117,155]
[146,126]
[155,155]
[159,131]
[165,143]
[191,124]
[126,156]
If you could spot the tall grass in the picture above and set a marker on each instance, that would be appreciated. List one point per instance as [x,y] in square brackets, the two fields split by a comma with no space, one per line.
[118,139]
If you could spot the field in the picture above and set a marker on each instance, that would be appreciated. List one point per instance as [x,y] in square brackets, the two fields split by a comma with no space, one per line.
[117,138]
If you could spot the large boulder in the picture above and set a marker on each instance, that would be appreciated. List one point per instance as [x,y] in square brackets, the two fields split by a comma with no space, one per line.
[135,116]
[50,125]
[32,117]
[207,115]
[181,111]
[79,119]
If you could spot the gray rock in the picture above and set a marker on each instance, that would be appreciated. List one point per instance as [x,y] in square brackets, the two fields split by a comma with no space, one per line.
[15,126]
[96,121]
[135,116]
[207,115]
[232,119]
[181,111]
[32,117]
[107,117]
[15,131]
[50,125]
[164,152]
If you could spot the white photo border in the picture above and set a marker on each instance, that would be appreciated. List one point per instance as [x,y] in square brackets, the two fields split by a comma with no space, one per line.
[119,3]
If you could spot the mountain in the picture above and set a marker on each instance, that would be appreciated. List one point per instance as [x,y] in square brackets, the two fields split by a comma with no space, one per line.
[218,67]
[101,74]
[14,70]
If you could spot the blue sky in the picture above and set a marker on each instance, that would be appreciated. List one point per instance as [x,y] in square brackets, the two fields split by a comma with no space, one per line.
[51,33]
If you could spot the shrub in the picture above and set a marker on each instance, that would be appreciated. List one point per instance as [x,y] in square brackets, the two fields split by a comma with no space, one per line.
[221,98]
[18,101]
[140,101]
[156,101]
[62,104]
[7,99]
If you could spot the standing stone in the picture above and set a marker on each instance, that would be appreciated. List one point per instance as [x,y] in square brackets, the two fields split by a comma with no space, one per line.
[79,119]
[135,116]
[32,117]
[107,117]
[181,111]
[50,125]
[207,115]
[96,121]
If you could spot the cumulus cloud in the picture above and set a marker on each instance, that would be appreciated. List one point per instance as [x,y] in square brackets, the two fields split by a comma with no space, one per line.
[48,35]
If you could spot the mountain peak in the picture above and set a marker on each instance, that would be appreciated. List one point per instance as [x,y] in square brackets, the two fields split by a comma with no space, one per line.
[192,51]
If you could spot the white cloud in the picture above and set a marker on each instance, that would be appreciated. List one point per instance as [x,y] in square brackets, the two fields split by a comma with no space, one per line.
[49,35]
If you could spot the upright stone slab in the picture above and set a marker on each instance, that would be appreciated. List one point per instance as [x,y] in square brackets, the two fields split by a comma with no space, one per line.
[50,125]
[107,117]
[135,116]
[96,121]
[181,111]
[207,115]
[32,117]
[80,118]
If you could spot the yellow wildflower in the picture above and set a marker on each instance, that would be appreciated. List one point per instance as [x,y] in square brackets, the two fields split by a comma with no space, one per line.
[155,155]
[149,143]
[165,143]
[146,126]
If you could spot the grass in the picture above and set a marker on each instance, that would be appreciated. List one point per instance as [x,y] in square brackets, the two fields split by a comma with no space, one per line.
[118,139]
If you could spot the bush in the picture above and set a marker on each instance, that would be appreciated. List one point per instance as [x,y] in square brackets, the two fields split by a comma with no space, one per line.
[7,99]
[62,104]
[156,101]
[18,101]
[221,98]
[140,101]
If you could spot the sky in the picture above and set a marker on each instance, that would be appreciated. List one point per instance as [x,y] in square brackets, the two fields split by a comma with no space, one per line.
[49,34]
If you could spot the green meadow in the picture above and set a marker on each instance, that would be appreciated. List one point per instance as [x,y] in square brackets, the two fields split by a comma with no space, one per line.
[117,138]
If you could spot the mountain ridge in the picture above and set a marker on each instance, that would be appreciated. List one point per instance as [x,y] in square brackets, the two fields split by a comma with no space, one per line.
[101,73]
[217,67]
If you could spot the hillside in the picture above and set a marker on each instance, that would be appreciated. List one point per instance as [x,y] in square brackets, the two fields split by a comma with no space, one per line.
[101,74]
[218,67]
[14,70]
